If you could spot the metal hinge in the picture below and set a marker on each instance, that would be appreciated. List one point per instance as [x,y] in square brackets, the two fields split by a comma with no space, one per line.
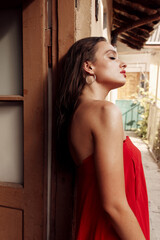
[48,44]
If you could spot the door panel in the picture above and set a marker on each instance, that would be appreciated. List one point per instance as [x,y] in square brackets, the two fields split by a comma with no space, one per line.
[22,112]
[11,142]
[11,51]
[11,221]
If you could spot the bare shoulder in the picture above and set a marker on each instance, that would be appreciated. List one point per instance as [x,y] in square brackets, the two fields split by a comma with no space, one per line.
[106,113]
[99,115]
[99,107]
[94,123]
[108,109]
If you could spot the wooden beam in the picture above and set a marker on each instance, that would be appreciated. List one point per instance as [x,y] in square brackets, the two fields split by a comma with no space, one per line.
[134,25]
[11,98]
[132,41]
[136,7]
[139,31]
[129,44]
[125,19]
[123,12]
[145,28]
[148,3]
[134,35]
[126,35]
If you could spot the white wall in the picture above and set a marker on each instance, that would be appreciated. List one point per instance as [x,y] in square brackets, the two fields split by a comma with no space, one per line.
[136,62]
[155,76]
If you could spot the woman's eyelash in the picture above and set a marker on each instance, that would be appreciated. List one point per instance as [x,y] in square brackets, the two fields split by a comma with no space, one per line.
[113,58]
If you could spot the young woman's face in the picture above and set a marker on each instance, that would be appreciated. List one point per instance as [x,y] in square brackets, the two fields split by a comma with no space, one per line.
[109,70]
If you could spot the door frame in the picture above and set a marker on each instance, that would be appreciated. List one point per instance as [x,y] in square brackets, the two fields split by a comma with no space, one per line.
[63,36]
[31,198]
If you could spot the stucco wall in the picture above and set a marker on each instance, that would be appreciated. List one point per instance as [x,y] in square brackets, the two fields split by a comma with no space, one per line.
[109,11]
[97,26]
[85,20]
[155,76]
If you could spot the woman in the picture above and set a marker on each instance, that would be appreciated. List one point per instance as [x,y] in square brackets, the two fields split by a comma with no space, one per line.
[111,191]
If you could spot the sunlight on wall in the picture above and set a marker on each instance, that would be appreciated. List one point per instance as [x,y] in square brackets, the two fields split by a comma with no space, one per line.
[153,78]
[158,88]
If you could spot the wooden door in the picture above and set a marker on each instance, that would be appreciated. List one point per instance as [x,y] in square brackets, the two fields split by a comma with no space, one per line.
[63,36]
[23,114]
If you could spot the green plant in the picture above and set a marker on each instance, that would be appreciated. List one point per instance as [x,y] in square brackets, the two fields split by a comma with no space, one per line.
[156,147]
[145,99]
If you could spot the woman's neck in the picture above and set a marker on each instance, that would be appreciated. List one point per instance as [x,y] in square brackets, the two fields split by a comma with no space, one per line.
[94,91]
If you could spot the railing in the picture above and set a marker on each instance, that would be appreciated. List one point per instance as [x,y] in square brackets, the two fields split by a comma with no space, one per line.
[131,118]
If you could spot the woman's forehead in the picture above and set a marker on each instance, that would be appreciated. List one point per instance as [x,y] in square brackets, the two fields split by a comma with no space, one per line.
[105,47]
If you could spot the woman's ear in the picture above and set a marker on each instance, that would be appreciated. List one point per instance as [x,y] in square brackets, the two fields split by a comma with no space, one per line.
[88,67]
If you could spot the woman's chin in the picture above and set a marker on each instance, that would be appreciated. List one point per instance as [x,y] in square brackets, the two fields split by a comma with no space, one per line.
[120,84]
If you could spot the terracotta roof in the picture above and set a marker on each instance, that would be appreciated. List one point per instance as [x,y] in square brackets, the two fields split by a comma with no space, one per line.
[134,21]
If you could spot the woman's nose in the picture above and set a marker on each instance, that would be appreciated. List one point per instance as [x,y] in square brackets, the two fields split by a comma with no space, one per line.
[123,65]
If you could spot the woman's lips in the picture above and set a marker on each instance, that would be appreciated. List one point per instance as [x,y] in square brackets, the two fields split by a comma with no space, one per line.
[124,73]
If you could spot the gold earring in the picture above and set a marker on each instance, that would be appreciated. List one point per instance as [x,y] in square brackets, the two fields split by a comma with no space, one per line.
[90,79]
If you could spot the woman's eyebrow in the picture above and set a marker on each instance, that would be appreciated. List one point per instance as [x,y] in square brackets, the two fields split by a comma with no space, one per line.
[110,50]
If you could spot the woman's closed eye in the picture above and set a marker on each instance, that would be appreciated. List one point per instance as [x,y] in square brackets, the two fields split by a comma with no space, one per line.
[113,58]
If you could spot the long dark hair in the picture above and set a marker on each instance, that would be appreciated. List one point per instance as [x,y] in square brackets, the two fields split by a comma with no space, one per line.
[72,80]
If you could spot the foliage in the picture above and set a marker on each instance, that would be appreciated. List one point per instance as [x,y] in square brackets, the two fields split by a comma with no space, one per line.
[156,147]
[145,99]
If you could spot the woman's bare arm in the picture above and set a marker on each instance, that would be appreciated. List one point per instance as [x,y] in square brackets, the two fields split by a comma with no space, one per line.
[107,132]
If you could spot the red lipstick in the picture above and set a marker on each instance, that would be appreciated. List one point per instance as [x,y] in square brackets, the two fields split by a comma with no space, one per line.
[124,73]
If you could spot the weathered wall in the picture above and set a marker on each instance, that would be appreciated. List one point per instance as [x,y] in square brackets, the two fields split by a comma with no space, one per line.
[109,10]
[86,24]
[83,19]
[97,26]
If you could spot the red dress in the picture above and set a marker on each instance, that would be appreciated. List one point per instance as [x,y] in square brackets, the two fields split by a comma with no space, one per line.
[91,221]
